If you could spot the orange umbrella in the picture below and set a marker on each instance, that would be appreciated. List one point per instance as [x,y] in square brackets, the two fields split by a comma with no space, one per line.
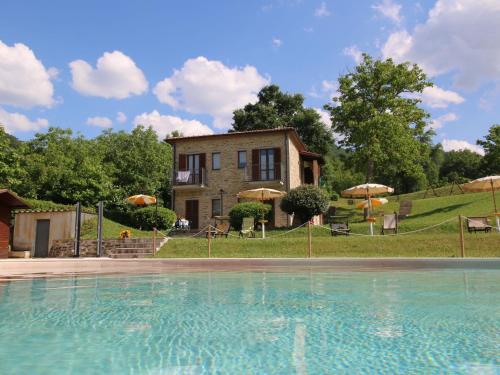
[141,200]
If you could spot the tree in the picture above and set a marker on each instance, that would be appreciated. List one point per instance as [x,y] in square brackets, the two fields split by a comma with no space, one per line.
[63,169]
[305,201]
[460,166]
[377,113]
[491,144]
[276,109]
[137,163]
[11,173]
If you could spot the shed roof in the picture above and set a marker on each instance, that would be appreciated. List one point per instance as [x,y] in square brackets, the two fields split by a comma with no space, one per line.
[10,199]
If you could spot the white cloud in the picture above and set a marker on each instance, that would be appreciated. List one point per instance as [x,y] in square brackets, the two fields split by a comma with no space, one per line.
[14,122]
[121,117]
[115,76]
[277,42]
[354,52]
[389,9]
[322,10]
[164,124]
[459,37]
[24,81]
[205,86]
[102,122]
[325,116]
[441,120]
[330,88]
[456,144]
[308,29]
[436,97]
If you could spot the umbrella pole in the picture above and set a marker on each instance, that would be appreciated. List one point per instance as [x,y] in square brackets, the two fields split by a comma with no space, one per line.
[497,219]
[369,210]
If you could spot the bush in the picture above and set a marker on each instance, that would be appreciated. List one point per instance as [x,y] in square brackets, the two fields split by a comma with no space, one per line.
[145,218]
[305,202]
[256,210]
[334,196]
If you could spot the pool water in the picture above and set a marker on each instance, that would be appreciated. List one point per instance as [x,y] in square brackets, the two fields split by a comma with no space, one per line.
[253,323]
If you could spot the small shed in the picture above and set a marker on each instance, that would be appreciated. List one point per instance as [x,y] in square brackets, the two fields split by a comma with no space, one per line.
[8,202]
[36,230]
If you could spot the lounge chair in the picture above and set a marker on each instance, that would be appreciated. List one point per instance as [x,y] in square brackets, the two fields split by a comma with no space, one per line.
[404,209]
[339,225]
[247,228]
[222,229]
[478,224]
[390,223]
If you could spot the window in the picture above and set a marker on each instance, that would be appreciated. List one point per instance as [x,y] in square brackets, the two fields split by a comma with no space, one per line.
[266,164]
[216,209]
[216,160]
[242,159]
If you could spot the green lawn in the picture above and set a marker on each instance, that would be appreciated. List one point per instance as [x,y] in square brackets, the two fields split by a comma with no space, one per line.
[111,230]
[441,241]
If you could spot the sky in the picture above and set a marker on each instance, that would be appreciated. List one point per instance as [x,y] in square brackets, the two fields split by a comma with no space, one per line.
[187,65]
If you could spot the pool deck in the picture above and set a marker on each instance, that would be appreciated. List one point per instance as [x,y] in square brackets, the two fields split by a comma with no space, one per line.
[15,269]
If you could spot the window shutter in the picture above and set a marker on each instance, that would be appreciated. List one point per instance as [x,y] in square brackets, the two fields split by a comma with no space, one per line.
[255,165]
[182,162]
[203,160]
[277,163]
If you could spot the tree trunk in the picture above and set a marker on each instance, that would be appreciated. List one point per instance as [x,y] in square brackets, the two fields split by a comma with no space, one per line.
[369,170]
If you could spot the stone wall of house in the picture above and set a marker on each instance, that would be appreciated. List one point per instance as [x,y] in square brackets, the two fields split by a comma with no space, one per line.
[88,248]
[232,179]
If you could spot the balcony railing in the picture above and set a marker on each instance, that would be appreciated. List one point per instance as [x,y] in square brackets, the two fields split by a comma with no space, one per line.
[198,177]
[276,172]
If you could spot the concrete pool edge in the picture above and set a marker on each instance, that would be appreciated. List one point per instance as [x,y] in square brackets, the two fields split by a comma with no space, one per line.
[29,268]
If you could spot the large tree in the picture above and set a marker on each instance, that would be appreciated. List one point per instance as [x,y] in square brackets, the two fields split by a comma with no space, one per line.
[460,166]
[276,109]
[377,112]
[491,146]
[10,161]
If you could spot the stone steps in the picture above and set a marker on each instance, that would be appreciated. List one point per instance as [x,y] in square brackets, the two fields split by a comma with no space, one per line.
[134,248]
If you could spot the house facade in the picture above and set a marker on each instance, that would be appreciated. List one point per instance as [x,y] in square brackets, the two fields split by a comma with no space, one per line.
[209,171]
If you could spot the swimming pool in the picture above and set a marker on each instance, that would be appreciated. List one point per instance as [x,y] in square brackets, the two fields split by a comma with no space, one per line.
[253,323]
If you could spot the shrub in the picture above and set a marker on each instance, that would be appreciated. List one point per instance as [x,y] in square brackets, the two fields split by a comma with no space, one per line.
[305,202]
[145,218]
[256,210]
[334,196]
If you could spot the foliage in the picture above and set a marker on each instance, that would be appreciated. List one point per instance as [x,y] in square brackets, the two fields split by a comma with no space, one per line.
[336,176]
[276,109]
[257,210]
[46,205]
[146,218]
[305,202]
[460,166]
[11,173]
[490,164]
[384,129]
[136,162]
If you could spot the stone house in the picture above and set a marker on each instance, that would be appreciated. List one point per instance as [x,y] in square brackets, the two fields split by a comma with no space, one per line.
[210,170]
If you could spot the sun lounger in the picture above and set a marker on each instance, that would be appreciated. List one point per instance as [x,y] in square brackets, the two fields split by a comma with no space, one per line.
[390,223]
[247,228]
[404,209]
[339,226]
[478,224]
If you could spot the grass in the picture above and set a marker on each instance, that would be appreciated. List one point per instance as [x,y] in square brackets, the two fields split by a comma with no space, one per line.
[441,241]
[110,230]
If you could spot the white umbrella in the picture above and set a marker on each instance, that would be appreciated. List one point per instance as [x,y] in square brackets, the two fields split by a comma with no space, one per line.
[488,183]
[373,202]
[261,194]
[367,190]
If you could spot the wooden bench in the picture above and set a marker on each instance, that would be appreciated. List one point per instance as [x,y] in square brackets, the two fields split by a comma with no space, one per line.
[478,224]
[339,225]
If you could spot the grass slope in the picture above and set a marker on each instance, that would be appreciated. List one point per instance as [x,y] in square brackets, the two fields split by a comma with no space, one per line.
[441,241]
[111,230]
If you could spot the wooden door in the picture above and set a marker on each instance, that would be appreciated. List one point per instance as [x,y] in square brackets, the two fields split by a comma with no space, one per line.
[42,238]
[192,213]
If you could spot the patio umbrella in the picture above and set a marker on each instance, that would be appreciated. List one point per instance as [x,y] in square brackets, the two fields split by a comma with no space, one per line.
[144,200]
[261,194]
[367,190]
[373,202]
[489,183]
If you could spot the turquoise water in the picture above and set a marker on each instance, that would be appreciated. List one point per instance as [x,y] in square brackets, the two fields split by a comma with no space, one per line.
[253,323]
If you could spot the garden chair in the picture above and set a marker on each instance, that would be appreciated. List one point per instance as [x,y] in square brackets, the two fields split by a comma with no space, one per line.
[247,228]
[339,225]
[478,224]
[404,209]
[390,223]
[222,229]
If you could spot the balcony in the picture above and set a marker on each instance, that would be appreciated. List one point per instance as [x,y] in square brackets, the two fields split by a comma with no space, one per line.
[190,179]
[253,173]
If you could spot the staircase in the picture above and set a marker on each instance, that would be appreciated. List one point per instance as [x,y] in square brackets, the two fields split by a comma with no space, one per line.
[132,247]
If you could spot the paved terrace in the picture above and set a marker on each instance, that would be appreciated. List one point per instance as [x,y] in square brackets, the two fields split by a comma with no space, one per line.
[16,269]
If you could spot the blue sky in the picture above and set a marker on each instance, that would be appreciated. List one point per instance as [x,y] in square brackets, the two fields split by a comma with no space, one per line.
[186,65]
